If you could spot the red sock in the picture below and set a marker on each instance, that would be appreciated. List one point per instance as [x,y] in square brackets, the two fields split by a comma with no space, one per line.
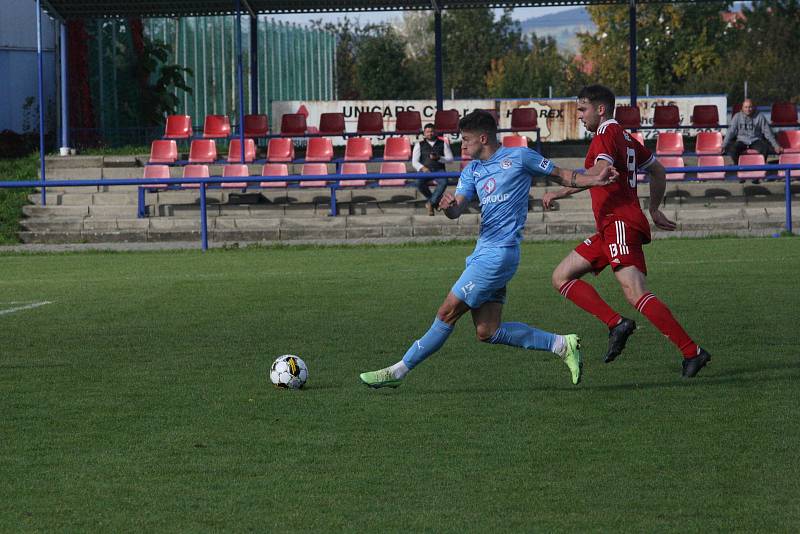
[587,299]
[658,314]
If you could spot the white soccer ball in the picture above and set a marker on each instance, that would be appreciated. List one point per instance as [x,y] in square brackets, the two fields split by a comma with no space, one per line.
[288,371]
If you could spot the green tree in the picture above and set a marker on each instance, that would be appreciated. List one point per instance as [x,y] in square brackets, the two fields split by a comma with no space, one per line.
[381,68]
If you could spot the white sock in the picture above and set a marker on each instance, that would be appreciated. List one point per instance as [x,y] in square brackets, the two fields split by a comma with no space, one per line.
[559,345]
[399,370]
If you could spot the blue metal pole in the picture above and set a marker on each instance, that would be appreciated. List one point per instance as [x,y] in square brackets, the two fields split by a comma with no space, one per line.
[64,92]
[253,65]
[437,27]
[140,211]
[788,201]
[632,24]
[41,97]
[239,76]
[203,218]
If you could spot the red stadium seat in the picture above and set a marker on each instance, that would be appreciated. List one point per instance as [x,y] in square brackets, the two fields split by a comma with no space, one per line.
[789,140]
[705,116]
[216,127]
[408,122]
[353,168]
[784,114]
[392,167]
[235,150]
[331,124]
[319,149]
[155,172]
[523,119]
[358,149]
[280,150]
[710,161]
[628,116]
[237,169]
[788,159]
[256,125]
[314,169]
[708,143]
[515,141]
[178,127]
[203,151]
[293,124]
[493,113]
[163,151]
[751,159]
[666,116]
[369,123]
[673,161]
[446,121]
[195,171]
[669,144]
[737,107]
[638,136]
[397,148]
[274,169]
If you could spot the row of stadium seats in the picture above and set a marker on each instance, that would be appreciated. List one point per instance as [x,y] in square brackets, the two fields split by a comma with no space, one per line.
[703,116]
[719,161]
[710,143]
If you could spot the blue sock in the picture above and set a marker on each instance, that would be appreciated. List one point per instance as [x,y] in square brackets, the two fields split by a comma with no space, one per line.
[522,335]
[427,344]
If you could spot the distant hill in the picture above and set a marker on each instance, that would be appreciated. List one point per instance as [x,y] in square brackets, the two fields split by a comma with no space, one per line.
[562,26]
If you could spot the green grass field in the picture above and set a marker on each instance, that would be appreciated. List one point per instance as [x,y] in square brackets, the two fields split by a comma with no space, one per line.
[138,400]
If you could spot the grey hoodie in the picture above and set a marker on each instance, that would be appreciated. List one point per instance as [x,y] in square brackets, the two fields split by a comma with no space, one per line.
[750,129]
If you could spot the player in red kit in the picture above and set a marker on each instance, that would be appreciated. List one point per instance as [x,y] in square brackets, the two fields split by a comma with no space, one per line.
[622,230]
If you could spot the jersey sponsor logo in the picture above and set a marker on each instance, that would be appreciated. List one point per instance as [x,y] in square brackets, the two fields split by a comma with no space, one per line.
[588,241]
[489,186]
[626,136]
[505,164]
[491,199]
[544,164]
[468,287]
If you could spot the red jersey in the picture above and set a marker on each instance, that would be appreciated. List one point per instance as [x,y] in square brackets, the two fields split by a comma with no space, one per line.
[618,201]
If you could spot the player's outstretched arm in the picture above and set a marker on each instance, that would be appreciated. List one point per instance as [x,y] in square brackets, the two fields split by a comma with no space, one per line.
[453,206]
[599,175]
[658,185]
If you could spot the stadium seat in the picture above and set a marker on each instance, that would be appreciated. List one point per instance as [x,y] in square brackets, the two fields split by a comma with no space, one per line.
[408,122]
[708,143]
[235,151]
[788,159]
[789,140]
[673,161]
[155,172]
[280,150]
[274,169]
[203,151]
[216,127]
[710,161]
[523,119]
[639,136]
[737,107]
[293,124]
[178,127]
[353,168]
[628,116]
[163,151]
[314,169]
[446,121]
[705,116]
[392,167]
[669,144]
[234,170]
[319,149]
[751,159]
[369,123]
[256,125]
[358,149]
[666,116]
[397,149]
[331,124]
[515,141]
[195,171]
[783,114]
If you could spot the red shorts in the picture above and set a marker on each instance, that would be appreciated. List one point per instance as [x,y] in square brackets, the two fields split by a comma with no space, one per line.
[620,245]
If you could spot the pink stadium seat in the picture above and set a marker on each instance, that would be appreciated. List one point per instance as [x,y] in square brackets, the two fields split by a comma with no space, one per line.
[256,125]
[710,161]
[358,149]
[195,171]
[783,114]
[523,119]
[319,149]
[163,151]
[788,159]
[216,127]
[314,169]
[669,144]
[446,121]
[397,148]
[155,172]
[751,159]
[628,116]
[234,170]
[705,116]
[235,150]
[203,151]
[178,127]
[369,123]
[708,143]
[392,167]
[666,116]
[274,169]
[515,141]
[353,168]
[293,124]
[638,136]
[673,161]
[331,124]
[408,122]
[789,140]
[280,150]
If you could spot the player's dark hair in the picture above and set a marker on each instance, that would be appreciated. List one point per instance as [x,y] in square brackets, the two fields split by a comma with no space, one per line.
[479,120]
[429,125]
[599,94]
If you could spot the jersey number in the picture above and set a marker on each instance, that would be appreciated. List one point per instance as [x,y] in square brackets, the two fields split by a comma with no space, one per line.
[631,167]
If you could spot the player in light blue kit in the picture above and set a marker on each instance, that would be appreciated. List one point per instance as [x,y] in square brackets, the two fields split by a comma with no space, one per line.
[501,179]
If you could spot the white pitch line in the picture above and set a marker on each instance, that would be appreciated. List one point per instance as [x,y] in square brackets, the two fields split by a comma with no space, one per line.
[26,307]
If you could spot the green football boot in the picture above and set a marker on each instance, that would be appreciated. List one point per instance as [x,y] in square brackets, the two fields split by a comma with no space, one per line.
[572,357]
[382,378]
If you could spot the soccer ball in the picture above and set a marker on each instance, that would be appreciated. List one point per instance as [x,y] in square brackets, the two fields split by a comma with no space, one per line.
[288,371]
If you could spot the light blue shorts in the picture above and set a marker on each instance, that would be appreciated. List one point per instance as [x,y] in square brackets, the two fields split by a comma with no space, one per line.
[487,273]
